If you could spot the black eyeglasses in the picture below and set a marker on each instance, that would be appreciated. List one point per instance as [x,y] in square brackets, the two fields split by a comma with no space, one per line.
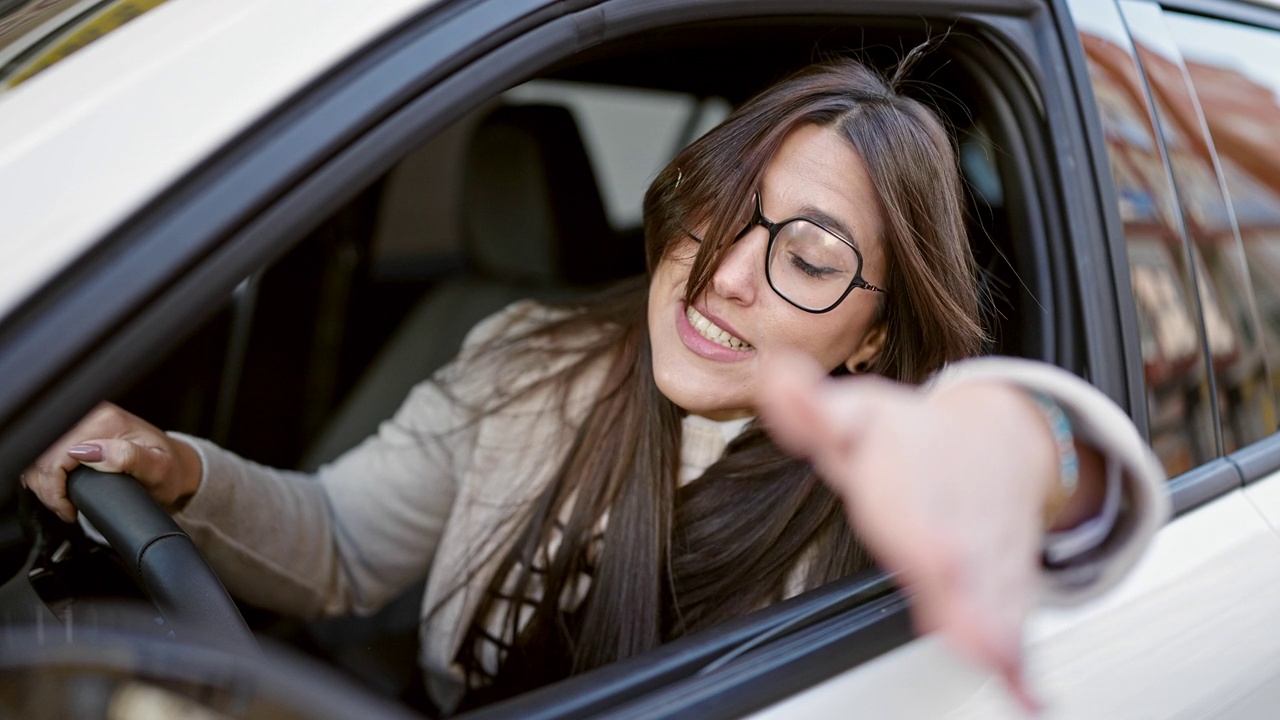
[806,263]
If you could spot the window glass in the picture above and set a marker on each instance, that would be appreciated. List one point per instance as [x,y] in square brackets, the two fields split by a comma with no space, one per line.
[621,127]
[1180,415]
[1245,408]
[1235,70]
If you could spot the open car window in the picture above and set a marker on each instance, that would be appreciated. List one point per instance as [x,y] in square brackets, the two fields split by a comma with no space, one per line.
[312,352]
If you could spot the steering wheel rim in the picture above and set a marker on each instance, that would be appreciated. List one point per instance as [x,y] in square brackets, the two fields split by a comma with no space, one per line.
[45,676]
[161,558]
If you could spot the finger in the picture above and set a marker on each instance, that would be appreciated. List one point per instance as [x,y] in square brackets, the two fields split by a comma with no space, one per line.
[990,638]
[813,416]
[1016,682]
[1004,661]
[788,400]
[47,476]
[50,486]
[1007,662]
[119,456]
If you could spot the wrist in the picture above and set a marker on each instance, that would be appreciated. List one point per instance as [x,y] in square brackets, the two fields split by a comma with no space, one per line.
[1077,489]
[1065,480]
[190,472]
[1090,493]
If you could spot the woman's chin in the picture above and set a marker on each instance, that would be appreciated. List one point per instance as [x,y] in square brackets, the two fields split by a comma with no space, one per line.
[695,393]
[723,415]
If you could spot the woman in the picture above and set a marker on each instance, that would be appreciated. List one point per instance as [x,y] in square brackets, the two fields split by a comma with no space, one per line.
[583,484]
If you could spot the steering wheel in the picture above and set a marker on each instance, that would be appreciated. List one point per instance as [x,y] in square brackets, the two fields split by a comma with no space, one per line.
[160,557]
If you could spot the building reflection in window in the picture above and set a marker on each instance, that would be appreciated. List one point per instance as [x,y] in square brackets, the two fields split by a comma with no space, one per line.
[1235,71]
[1180,414]
[1241,383]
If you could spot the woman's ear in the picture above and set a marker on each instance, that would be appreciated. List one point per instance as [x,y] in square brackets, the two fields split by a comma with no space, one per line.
[868,351]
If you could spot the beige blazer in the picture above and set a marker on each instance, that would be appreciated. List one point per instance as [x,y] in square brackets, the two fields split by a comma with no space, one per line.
[431,493]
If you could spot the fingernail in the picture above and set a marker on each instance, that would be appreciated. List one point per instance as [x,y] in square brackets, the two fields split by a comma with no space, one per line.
[86,453]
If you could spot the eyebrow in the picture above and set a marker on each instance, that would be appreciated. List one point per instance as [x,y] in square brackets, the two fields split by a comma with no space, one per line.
[810,212]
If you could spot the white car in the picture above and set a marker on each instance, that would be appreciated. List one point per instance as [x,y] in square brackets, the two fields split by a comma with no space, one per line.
[261,221]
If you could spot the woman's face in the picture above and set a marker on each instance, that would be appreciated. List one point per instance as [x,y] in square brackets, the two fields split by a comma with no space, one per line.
[712,369]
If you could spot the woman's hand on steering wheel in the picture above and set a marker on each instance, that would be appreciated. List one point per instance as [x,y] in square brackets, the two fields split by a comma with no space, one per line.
[112,440]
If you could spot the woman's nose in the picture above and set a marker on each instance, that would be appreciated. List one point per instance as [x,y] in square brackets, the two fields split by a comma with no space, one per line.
[740,274]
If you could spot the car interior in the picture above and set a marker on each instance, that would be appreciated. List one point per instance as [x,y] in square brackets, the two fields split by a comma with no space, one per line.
[535,194]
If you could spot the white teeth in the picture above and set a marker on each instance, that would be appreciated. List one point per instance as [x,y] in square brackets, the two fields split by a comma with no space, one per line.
[713,332]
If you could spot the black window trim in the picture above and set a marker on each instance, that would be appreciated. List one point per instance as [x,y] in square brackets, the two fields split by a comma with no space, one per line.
[1203,484]
[1257,461]
[781,669]
[1239,11]
[688,663]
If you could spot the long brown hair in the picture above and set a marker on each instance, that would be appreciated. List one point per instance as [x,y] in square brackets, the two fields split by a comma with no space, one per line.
[675,558]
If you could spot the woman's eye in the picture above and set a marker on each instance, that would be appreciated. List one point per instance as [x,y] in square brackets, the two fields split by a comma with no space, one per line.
[813,271]
[683,250]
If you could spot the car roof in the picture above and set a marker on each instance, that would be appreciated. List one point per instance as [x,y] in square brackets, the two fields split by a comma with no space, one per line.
[93,138]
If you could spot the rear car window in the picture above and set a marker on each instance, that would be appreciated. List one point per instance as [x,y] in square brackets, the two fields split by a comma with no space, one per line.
[1235,349]
[1235,70]
[1178,390]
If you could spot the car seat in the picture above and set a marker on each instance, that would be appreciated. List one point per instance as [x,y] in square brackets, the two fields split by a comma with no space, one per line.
[533,226]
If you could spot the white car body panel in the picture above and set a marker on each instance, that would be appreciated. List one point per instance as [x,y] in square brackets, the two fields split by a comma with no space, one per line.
[1194,632]
[93,138]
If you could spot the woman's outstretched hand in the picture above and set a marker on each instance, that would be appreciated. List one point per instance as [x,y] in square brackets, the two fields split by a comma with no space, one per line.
[112,440]
[946,488]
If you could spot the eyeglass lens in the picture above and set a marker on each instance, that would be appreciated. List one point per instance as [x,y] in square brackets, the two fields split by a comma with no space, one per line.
[811,267]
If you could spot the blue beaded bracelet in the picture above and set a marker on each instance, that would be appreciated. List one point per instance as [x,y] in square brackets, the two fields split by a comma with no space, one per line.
[1068,459]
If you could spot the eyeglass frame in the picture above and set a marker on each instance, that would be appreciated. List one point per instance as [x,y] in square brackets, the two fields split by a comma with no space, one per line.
[774,228]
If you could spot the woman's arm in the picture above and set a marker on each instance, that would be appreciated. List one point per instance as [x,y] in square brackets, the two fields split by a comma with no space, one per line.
[949,487]
[345,539]
[1117,455]
[348,538]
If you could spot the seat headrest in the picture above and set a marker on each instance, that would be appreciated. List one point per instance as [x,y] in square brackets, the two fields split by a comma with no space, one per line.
[531,209]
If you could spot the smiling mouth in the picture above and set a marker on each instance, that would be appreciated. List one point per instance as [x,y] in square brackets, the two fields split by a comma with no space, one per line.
[713,332]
